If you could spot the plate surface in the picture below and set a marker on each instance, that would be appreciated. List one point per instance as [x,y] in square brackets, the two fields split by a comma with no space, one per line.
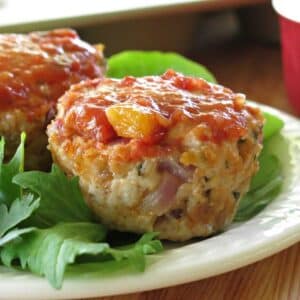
[275,228]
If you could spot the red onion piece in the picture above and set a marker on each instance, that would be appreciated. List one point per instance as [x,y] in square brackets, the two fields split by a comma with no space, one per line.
[162,199]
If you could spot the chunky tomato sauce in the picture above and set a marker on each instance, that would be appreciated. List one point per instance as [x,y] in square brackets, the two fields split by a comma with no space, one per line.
[36,69]
[173,99]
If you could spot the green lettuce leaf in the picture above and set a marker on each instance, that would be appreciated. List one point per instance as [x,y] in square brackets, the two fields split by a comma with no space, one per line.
[272,125]
[142,63]
[266,184]
[14,207]
[47,252]
[269,168]
[61,198]
[14,234]
[129,261]
[19,211]
[264,188]
[9,191]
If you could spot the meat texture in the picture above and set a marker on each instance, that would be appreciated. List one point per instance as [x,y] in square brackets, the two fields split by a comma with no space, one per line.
[169,153]
[35,70]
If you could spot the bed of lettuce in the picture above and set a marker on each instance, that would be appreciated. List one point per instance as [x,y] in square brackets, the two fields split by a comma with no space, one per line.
[45,225]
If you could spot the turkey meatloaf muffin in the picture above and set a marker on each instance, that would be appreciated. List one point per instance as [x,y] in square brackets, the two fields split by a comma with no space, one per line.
[168,153]
[35,70]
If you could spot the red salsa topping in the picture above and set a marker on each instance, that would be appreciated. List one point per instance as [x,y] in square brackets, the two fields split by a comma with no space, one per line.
[172,98]
[36,69]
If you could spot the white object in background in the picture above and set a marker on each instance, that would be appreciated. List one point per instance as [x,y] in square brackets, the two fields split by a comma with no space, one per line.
[27,14]
[289,9]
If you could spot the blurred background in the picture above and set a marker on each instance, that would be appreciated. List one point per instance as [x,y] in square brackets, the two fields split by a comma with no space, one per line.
[170,25]
[237,40]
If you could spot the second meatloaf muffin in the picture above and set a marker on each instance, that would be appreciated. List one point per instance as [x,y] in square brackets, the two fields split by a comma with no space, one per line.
[35,70]
[168,153]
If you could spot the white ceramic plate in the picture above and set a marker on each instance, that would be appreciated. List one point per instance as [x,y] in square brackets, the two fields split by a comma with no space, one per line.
[16,15]
[274,229]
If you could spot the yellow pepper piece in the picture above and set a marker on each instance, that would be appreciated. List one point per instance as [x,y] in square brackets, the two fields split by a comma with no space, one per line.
[133,121]
[189,158]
